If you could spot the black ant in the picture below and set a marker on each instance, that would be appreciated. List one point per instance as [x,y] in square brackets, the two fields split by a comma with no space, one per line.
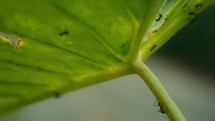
[153,47]
[64,33]
[198,5]
[161,26]
[161,110]
[159,18]
[57,94]
[195,14]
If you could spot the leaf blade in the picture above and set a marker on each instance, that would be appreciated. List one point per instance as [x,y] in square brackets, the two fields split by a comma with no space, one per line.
[65,46]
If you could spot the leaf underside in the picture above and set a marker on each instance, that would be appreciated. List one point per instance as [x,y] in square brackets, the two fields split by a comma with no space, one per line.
[62,45]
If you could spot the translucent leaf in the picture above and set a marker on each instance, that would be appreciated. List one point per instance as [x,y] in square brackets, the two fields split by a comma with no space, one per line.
[64,45]
[49,47]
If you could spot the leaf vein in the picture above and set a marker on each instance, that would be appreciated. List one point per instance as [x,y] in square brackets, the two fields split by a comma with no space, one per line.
[132,18]
[92,31]
[81,57]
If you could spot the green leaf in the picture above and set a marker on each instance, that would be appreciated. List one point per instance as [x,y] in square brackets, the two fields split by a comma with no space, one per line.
[176,15]
[65,45]
[49,47]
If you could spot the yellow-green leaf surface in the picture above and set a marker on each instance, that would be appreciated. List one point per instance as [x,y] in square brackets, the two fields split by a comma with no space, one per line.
[63,45]
[48,47]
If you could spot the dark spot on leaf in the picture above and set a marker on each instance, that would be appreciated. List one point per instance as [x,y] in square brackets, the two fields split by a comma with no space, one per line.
[38,68]
[64,33]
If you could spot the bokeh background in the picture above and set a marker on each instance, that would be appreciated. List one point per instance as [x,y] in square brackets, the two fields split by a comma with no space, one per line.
[185,65]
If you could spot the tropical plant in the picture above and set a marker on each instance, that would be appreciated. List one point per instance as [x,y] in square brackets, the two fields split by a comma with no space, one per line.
[49,47]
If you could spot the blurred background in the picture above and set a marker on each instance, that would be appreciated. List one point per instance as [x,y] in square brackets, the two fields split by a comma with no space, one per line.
[185,65]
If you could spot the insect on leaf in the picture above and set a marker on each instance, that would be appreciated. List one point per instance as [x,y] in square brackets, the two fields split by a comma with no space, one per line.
[50,47]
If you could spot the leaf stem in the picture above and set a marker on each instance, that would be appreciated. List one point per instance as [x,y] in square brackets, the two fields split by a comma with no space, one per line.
[168,105]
